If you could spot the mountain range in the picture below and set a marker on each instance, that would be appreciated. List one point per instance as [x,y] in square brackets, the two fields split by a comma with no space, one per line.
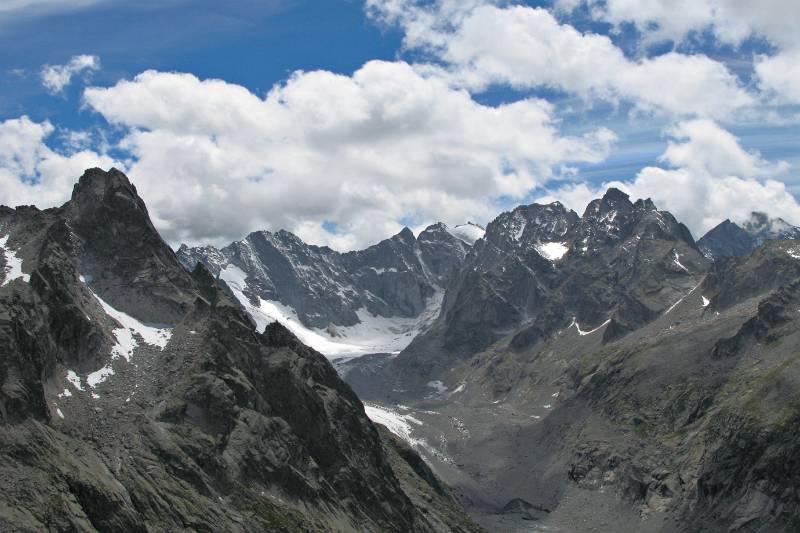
[345,304]
[554,371]
[139,396]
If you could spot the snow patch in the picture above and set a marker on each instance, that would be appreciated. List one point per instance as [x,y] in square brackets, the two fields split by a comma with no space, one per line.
[74,379]
[65,394]
[581,332]
[59,413]
[126,342]
[706,301]
[99,376]
[397,423]
[469,232]
[458,389]
[521,224]
[677,260]
[552,251]
[794,253]
[13,268]
[440,387]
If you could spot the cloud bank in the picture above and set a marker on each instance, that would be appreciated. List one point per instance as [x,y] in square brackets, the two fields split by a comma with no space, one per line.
[370,152]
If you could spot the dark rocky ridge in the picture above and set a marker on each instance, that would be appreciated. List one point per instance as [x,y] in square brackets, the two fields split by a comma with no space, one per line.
[623,263]
[394,278]
[729,239]
[221,429]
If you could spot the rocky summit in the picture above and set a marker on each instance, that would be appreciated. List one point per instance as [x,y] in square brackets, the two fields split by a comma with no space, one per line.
[729,239]
[139,396]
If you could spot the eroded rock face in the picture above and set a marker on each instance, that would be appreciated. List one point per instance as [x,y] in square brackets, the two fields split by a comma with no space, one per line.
[137,396]
[541,268]
[394,278]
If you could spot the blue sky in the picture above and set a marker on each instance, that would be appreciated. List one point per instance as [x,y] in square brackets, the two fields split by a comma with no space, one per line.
[255,43]
[696,111]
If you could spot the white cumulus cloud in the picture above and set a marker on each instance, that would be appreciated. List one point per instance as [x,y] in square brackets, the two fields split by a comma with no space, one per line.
[56,77]
[707,177]
[779,76]
[367,152]
[730,22]
[31,172]
[477,44]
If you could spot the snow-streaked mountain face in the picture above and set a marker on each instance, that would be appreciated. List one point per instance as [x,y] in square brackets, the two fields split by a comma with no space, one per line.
[729,239]
[577,357]
[540,266]
[136,396]
[368,301]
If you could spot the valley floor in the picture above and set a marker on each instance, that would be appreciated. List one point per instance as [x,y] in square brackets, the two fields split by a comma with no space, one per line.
[472,447]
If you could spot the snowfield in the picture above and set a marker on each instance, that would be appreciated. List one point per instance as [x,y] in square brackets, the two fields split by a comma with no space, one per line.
[13,269]
[395,422]
[126,341]
[469,232]
[374,334]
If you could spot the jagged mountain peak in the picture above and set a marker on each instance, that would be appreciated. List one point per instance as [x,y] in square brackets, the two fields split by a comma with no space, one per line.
[96,183]
[532,223]
[729,239]
[108,226]
[614,200]
[615,196]
[645,204]
[181,414]
[541,264]
[99,193]
[406,235]
[373,299]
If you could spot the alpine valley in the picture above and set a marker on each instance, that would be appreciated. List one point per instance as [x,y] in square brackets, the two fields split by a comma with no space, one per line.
[553,371]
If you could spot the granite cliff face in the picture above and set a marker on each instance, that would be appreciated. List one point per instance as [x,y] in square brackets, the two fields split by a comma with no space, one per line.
[138,396]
